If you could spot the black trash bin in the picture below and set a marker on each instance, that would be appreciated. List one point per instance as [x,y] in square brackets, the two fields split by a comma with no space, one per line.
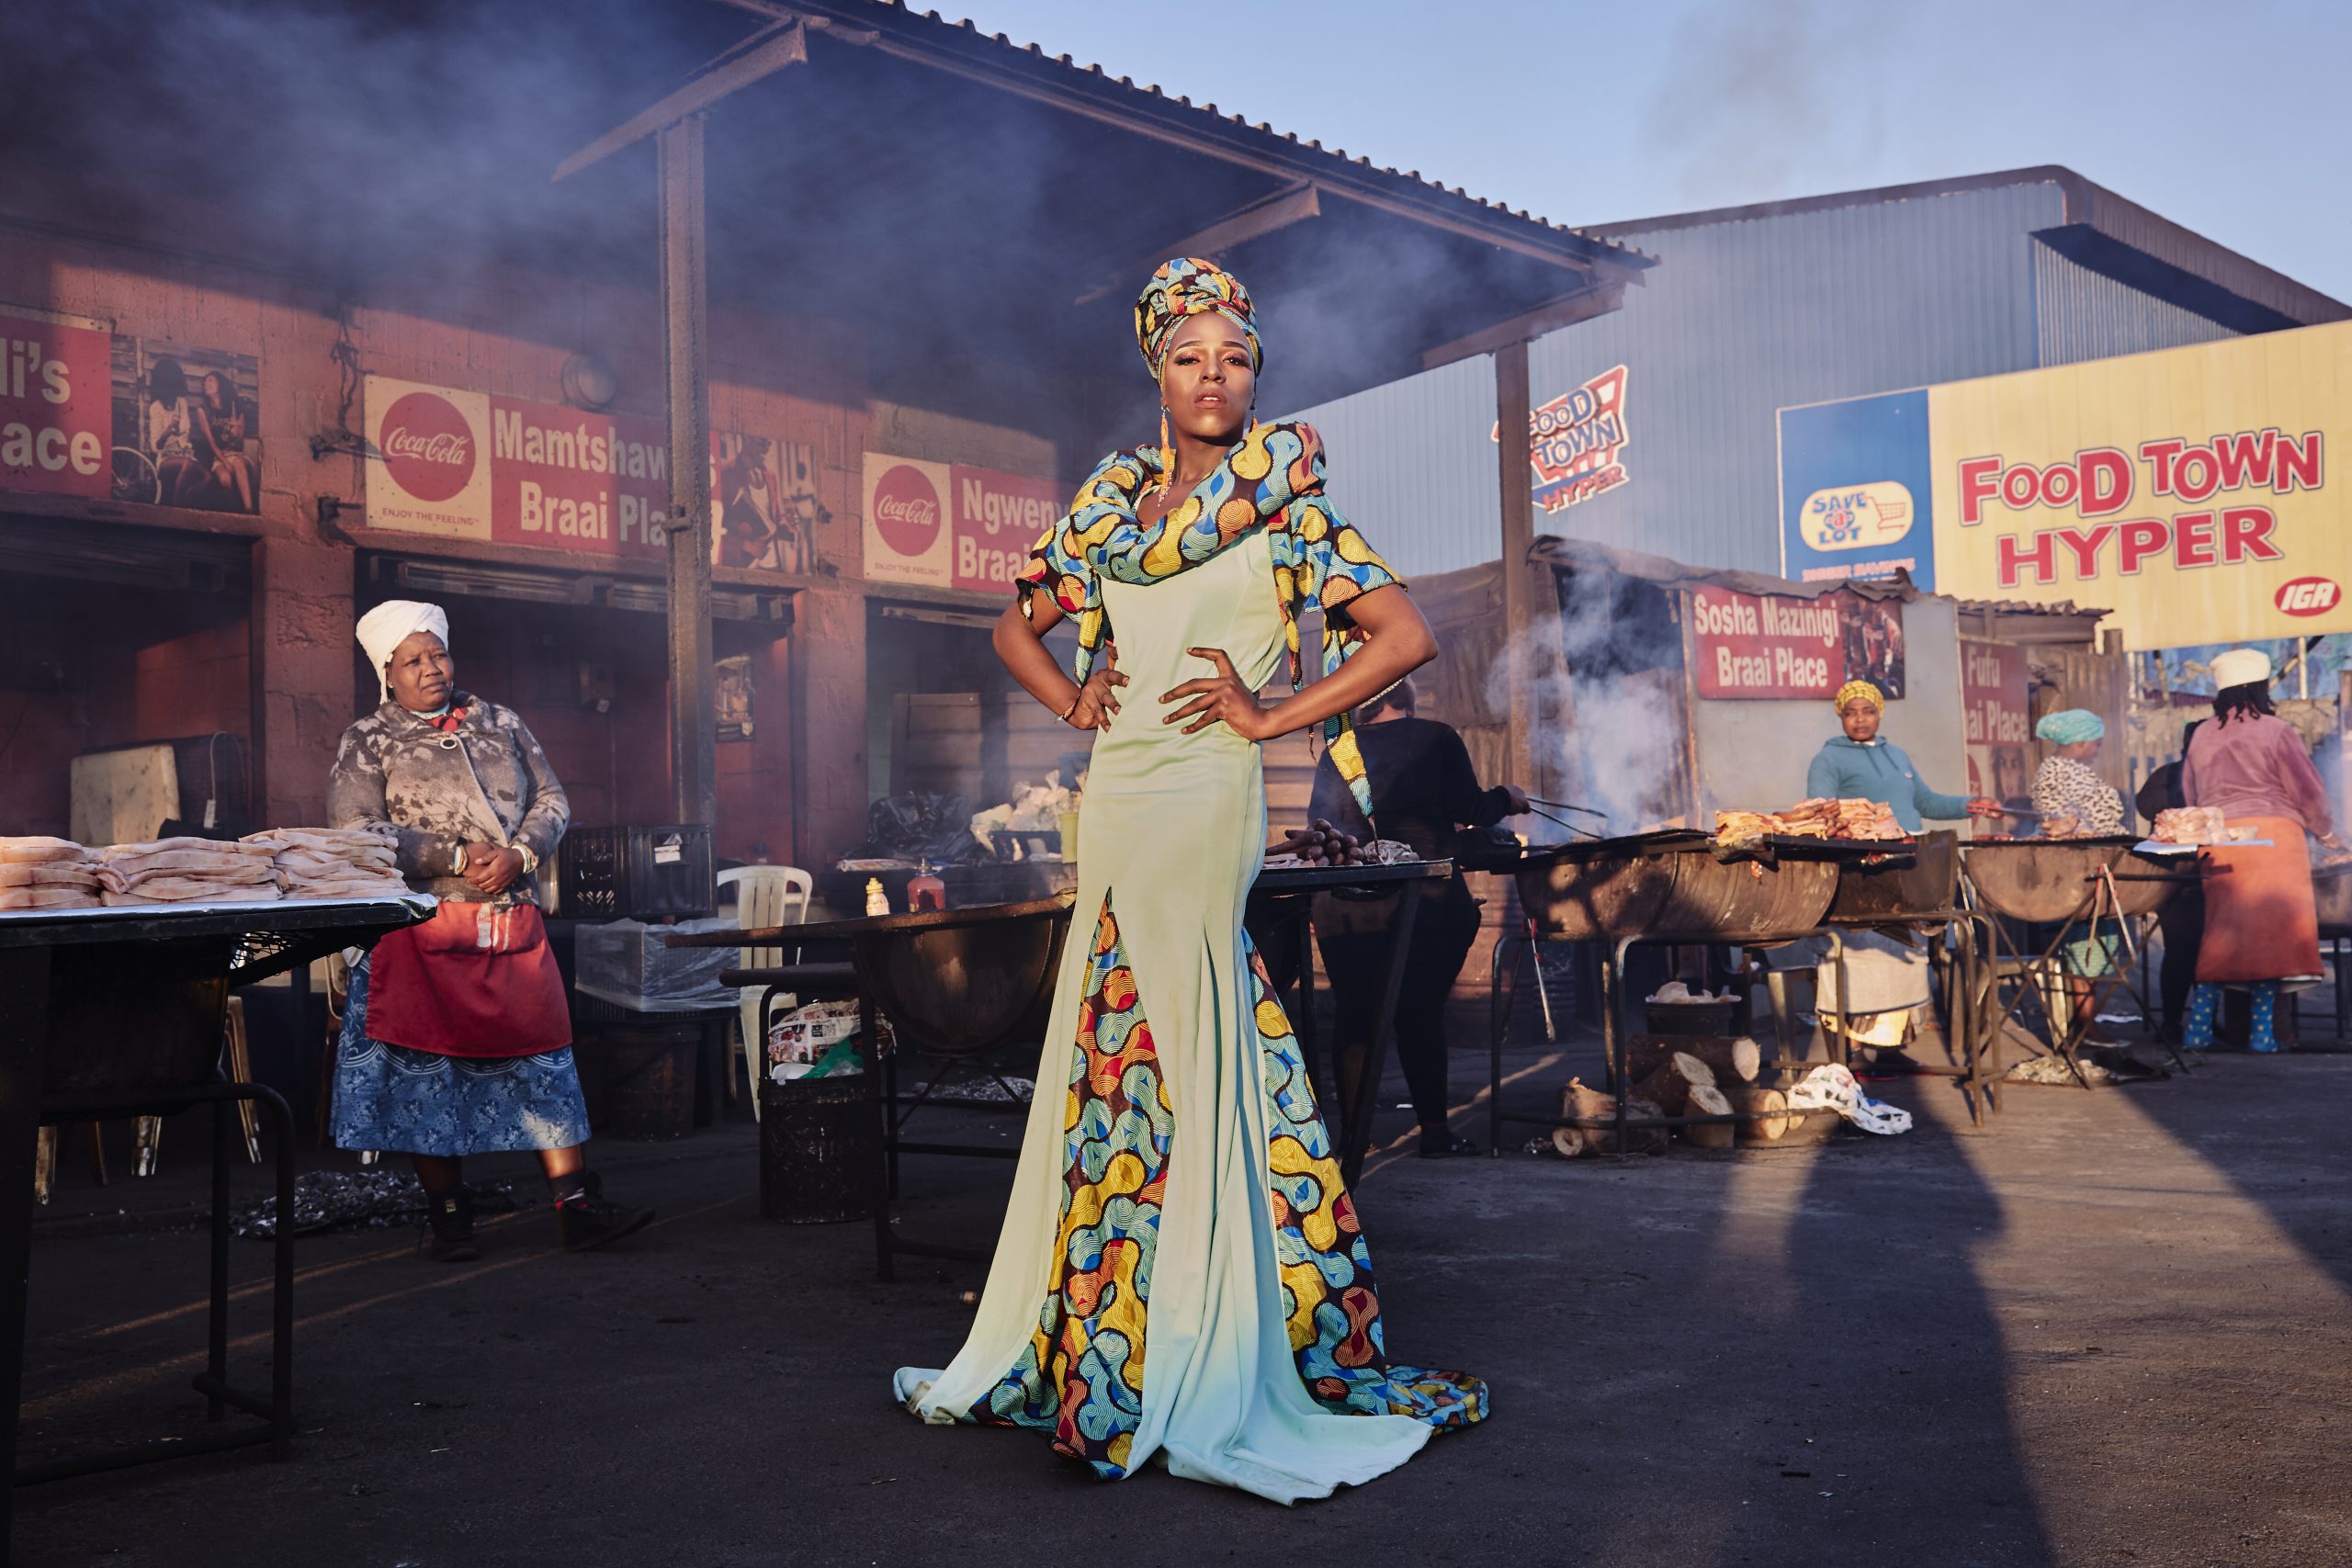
[820,1150]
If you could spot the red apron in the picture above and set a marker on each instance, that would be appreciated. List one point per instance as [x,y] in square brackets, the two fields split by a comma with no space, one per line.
[471,981]
[2261,919]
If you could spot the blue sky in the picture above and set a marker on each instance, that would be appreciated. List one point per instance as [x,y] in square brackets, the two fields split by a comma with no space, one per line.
[2233,119]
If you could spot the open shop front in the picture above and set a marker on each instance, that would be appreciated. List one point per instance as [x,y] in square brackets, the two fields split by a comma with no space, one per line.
[950,735]
[127,712]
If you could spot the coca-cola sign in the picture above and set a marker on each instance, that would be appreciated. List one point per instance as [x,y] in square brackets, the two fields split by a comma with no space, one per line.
[428,446]
[906,511]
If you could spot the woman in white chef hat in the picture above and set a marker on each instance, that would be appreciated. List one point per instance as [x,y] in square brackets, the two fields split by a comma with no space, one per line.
[2261,920]
[456,1040]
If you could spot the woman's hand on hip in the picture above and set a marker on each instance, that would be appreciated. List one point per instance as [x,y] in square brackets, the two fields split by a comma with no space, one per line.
[1221,698]
[1099,698]
[491,868]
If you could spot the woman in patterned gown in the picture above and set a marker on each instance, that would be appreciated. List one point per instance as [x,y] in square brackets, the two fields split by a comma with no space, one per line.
[1181,1273]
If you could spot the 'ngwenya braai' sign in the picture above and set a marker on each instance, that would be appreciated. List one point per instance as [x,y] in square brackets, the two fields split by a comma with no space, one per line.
[947,526]
[1773,646]
[2187,490]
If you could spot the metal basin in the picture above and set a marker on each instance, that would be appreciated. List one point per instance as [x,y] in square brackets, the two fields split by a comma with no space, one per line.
[1671,886]
[2332,892]
[1744,901]
[966,982]
[2044,880]
[1596,899]
[1925,877]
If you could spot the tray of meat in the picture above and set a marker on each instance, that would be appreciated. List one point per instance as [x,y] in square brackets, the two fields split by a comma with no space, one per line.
[2190,825]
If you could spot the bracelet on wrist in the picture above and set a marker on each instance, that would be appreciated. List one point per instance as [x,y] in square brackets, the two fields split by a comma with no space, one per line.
[1064,714]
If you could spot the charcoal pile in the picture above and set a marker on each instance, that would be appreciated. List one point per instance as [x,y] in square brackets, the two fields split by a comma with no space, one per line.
[327,1201]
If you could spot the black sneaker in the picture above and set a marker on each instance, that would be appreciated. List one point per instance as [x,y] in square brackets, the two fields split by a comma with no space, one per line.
[452,1216]
[585,1219]
[1441,1144]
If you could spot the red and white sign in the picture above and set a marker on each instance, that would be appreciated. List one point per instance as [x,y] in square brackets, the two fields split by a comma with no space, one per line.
[998,518]
[56,408]
[509,471]
[434,475]
[2308,596]
[1996,719]
[1776,646]
[907,535]
[946,525]
[1574,442]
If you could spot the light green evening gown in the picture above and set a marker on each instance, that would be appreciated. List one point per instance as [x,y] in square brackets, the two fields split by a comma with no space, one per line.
[1176,1191]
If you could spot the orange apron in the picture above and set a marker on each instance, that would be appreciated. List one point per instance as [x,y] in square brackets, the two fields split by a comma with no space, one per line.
[472,981]
[2260,920]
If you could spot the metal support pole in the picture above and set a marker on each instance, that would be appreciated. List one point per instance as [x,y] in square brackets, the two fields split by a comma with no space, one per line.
[23,1040]
[694,735]
[1518,538]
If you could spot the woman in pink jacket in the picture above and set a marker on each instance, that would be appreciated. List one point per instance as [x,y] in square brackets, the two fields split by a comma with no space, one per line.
[2261,925]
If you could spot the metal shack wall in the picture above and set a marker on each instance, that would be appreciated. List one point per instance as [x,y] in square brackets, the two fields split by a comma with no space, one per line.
[1753,755]
[1741,318]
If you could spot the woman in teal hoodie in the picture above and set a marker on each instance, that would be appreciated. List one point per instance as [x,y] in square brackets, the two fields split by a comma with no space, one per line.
[1858,765]
[1886,978]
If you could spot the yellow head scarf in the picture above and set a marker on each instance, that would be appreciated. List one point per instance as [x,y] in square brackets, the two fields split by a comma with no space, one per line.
[1863,689]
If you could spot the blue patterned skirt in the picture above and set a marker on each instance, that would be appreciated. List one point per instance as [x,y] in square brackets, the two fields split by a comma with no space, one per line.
[419,1102]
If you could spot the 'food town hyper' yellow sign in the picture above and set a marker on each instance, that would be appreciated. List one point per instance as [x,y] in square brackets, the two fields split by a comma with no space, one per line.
[2189,489]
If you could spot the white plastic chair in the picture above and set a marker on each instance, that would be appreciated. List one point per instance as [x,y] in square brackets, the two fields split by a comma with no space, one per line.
[765,896]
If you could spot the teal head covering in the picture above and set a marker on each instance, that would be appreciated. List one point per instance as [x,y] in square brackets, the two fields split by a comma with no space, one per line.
[2069,726]
[1184,287]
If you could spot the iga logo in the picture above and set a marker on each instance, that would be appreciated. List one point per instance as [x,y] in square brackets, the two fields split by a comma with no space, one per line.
[2308,596]
[428,447]
[906,511]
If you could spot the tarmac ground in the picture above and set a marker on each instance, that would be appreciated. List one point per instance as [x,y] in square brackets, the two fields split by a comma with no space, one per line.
[2109,1328]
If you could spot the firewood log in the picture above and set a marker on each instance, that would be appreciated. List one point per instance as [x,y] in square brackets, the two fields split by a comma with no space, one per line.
[1706,1099]
[1732,1058]
[1769,1103]
[1576,1100]
[1670,1085]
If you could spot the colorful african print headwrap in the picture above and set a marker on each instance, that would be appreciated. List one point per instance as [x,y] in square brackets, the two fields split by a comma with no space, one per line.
[1863,689]
[1273,479]
[1186,287]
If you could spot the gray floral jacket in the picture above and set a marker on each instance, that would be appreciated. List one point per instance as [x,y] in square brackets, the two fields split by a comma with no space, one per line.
[432,790]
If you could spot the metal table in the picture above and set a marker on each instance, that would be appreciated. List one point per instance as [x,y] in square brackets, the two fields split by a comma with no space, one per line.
[964,982]
[2063,884]
[1285,897]
[119,1013]
[955,983]
[1669,887]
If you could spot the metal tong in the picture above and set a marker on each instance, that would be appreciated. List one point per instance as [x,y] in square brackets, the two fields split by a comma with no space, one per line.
[1535,804]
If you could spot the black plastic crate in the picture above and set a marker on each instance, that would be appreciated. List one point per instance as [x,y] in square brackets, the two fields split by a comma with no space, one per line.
[635,873]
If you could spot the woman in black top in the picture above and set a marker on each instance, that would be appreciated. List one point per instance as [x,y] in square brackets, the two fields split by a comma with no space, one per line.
[1423,792]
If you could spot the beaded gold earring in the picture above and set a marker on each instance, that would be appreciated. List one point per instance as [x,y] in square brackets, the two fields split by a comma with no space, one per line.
[1167,452]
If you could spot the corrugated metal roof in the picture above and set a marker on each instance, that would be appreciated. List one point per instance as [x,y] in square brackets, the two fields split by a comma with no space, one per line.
[997,51]
[2081,314]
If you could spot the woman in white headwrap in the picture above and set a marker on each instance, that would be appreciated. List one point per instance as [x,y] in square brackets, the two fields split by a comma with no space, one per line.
[456,1039]
[2261,919]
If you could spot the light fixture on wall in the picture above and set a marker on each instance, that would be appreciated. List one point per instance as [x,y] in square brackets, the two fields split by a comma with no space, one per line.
[589,383]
